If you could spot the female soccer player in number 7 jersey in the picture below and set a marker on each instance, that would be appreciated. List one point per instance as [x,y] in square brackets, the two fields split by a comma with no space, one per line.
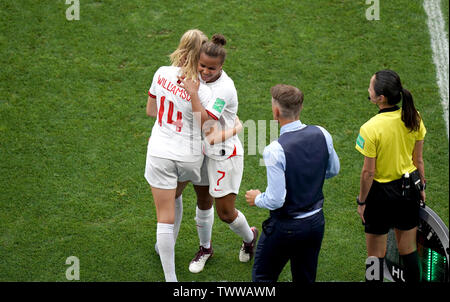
[174,153]
[225,161]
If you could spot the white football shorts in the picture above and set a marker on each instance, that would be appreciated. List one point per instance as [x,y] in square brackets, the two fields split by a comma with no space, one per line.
[165,173]
[225,175]
[203,175]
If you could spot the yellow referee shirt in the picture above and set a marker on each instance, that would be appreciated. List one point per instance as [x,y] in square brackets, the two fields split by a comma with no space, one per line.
[386,138]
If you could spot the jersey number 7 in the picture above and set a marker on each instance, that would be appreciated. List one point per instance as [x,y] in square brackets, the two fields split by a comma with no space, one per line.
[223,175]
[178,123]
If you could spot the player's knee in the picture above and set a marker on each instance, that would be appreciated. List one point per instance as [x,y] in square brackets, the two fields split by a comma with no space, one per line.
[226,216]
[205,203]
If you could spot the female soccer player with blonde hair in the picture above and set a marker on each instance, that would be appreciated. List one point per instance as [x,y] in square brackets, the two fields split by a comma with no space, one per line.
[174,152]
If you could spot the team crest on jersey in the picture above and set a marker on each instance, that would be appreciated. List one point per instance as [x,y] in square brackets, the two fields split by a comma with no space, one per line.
[218,105]
[360,141]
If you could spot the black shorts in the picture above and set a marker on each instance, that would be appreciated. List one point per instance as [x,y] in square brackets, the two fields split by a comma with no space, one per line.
[386,207]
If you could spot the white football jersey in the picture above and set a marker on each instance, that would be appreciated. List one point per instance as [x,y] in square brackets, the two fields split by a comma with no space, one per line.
[223,107]
[176,134]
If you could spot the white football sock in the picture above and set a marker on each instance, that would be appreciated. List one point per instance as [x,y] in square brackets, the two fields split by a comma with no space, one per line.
[166,247]
[178,218]
[240,227]
[205,221]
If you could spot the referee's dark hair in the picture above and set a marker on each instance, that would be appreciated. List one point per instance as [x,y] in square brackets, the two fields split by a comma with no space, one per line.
[387,83]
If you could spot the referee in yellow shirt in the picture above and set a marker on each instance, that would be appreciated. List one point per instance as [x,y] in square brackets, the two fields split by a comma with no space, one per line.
[393,177]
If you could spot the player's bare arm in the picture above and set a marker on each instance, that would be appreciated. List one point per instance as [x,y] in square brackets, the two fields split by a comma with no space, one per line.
[151,107]
[214,134]
[192,88]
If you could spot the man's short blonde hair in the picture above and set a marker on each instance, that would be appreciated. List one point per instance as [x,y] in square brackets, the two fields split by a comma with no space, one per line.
[289,99]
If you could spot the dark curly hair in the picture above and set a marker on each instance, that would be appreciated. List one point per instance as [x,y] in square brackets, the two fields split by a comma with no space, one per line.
[215,47]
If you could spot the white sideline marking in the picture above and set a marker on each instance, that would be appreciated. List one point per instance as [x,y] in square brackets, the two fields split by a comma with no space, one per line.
[439,46]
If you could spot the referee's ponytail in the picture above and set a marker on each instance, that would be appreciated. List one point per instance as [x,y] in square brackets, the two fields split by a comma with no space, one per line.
[410,116]
[387,83]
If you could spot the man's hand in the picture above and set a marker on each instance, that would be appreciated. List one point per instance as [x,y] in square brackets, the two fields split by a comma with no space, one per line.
[250,196]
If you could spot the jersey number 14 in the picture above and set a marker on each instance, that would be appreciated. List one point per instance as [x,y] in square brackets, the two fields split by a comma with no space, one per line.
[178,123]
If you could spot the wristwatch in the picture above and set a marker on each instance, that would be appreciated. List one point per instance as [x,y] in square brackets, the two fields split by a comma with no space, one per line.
[359,202]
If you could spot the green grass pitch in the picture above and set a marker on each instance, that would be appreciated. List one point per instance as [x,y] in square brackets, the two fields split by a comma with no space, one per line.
[73,128]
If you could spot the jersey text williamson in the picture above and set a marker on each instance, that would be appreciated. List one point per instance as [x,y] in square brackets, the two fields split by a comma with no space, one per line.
[174,89]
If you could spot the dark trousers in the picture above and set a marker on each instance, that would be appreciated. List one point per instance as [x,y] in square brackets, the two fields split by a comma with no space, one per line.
[297,240]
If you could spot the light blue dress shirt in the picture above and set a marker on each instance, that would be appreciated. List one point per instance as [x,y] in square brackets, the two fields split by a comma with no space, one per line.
[275,161]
